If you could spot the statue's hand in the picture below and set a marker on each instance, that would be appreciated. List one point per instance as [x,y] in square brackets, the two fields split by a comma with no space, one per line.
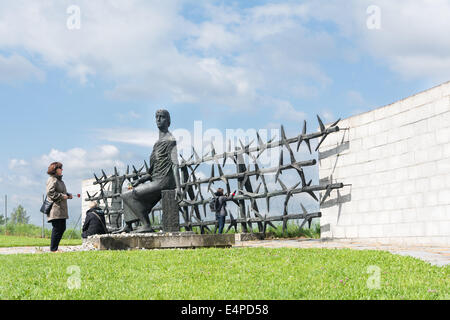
[136,183]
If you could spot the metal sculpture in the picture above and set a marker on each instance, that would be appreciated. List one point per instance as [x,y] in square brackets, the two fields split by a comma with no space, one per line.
[191,200]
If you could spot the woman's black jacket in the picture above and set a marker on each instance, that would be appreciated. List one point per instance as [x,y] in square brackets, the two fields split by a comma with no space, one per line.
[92,225]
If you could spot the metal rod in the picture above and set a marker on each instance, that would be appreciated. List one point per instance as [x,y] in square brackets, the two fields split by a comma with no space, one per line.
[43,234]
[121,211]
[125,176]
[270,194]
[6,212]
[261,147]
[255,220]
[79,218]
[228,176]
[245,197]
[253,173]
[237,176]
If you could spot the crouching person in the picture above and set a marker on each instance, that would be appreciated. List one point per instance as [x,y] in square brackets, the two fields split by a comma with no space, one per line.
[94,223]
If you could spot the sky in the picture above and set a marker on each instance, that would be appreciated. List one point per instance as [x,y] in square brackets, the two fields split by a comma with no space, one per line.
[80,81]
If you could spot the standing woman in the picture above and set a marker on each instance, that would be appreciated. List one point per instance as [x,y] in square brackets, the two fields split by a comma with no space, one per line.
[57,193]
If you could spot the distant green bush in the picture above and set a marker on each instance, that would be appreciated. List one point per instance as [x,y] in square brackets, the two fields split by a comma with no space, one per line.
[24,241]
[292,231]
[31,230]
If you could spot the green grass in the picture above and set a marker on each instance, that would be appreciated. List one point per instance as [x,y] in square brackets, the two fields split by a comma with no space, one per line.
[30,230]
[292,231]
[235,273]
[29,235]
[20,241]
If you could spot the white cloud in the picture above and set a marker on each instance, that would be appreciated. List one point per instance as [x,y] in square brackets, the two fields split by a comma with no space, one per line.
[422,66]
[215,36]
[16,163]
[134,115]
[80,162]
[130,115]
[142,138]
[16,69]
[355,98]
[304,91]
[147,138]
[133,44]
[237,57]
[26,184]
[328,116]
[23,181]
[412,40]
[285,111]
[280,11]
[149,50]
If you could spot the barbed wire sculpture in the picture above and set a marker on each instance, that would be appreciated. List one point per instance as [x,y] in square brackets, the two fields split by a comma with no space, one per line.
[248,213]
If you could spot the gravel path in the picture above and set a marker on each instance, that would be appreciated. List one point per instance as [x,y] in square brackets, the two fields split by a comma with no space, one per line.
[435,255]
[22,250]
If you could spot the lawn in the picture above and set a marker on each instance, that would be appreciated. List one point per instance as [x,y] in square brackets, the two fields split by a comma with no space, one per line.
[234,273]
[21,241]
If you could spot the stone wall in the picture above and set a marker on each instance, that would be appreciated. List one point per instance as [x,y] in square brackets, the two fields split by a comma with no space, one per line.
[395,163]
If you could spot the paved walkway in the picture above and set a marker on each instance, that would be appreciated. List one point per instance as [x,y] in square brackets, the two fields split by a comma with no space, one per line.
[436,255]
[18,250]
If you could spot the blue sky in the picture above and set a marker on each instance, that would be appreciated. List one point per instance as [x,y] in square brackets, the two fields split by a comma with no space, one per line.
[87,96]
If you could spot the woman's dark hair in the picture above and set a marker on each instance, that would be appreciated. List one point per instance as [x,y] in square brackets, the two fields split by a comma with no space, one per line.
[52,168]
[219,192]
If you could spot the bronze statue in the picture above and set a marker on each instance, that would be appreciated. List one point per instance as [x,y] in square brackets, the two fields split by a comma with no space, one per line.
[163,175]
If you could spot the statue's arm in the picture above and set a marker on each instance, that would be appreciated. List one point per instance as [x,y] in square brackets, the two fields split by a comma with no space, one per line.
[143,179]
[176,173]
[146,177]
[175,168]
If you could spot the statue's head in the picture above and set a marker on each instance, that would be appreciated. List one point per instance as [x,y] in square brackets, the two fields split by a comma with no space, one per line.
[162,119]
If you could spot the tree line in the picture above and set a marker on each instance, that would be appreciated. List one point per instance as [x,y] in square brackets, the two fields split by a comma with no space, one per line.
[18,216]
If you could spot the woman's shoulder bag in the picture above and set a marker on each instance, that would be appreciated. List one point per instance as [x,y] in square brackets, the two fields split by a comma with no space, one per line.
[46,206]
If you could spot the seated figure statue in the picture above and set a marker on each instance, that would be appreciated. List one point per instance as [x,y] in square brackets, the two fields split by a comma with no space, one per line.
[163,175]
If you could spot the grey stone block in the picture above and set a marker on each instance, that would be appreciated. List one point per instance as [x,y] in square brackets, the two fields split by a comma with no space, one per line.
[160,240]
[249,236]
[170,216]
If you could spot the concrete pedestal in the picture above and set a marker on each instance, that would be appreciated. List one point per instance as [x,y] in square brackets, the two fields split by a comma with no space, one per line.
[249,236]
[160,240]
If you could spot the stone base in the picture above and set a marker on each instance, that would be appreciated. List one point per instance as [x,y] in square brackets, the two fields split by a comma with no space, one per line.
[249,236]
[160,240]
[170,215]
